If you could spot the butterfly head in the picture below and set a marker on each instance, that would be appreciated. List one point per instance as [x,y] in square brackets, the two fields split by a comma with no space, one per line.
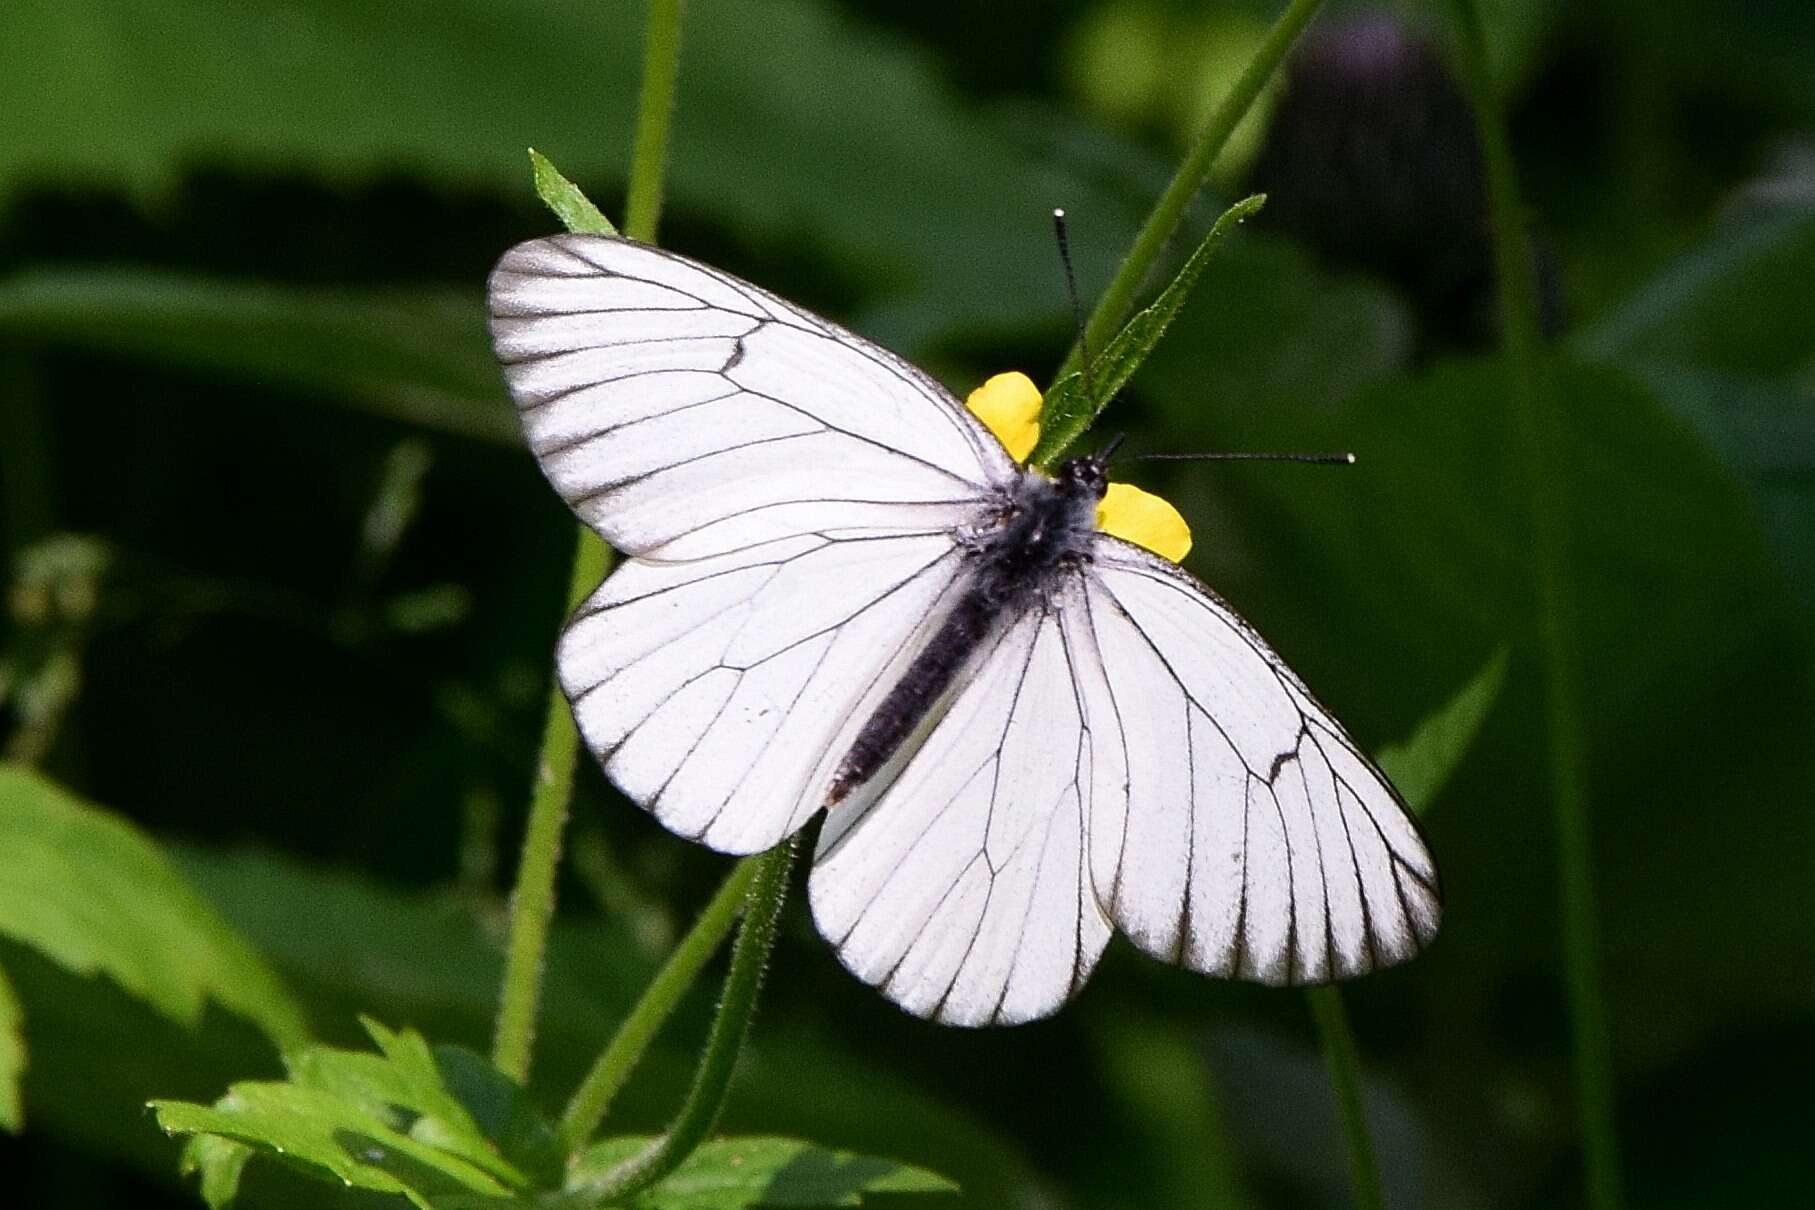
[1087,476]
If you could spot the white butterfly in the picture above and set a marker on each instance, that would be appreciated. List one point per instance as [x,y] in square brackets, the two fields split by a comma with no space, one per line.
[841,593]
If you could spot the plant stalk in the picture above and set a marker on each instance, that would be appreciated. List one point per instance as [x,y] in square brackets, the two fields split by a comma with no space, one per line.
[1537,436]
[532,904]
[1118,300]
[1345,1077]
[655,109]
[533,900]
[593,1098]
[712,1082]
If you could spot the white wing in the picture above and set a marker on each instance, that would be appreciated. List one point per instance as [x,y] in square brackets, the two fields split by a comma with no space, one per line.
[963,890]
[660,396]
[788,494]
[1254,839]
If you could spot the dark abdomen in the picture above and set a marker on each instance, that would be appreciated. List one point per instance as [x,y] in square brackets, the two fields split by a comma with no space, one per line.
[927,677]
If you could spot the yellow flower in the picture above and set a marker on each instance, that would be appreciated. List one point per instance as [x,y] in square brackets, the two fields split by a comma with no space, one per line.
[1009,406]
[1145,520]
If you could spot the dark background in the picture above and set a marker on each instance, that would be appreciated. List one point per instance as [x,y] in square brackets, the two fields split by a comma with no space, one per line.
[304,581]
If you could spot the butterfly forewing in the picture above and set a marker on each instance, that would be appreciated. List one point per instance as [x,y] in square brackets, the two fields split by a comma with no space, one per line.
[660,396]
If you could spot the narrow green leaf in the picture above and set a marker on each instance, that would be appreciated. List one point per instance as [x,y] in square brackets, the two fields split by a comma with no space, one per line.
[1421,764]
[1066,409]
[12,1057]
[322,1134]
[1066,418]
[96,896]
[726,1174]
[573,208]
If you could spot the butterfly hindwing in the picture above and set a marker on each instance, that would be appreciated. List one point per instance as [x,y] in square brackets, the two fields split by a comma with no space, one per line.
[1254,840]
[963,889]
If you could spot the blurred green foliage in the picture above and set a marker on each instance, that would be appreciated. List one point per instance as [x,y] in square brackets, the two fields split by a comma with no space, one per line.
[304,648]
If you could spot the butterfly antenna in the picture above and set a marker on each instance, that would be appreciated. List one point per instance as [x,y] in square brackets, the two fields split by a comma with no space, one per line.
[1077,307]
[1344,459]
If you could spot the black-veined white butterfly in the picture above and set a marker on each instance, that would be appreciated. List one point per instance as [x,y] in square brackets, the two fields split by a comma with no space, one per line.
[840,592]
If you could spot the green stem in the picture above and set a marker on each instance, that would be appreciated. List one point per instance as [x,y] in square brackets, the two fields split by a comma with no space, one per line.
[1537,424]
[614,1064]
[533,901]
[1118,299]
[532,904]
[1345,1077]
[711,1083]
[649,154]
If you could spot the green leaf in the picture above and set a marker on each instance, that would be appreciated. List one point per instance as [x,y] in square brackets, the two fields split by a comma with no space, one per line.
[219,1161]
[1739,302]
[501,1111]
[729,1173]
[1764,429]
[573,208]
[417,357]
[96,896]
[12,1057]
[409,954]
[1421,764]
[327,1136]
[1070,412]
[409,1120]
[444,91]
[402,1089]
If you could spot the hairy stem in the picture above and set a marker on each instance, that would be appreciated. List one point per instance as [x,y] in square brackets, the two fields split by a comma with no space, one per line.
[712,1082]
[1537,424]
[614,1064]
[532,903]
[1118,299]
[533,900]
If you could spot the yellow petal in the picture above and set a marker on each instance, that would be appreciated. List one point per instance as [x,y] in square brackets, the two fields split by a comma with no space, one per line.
[1144,519]
[1009,404]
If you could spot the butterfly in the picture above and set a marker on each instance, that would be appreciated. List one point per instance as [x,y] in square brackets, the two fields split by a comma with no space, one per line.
[841,593]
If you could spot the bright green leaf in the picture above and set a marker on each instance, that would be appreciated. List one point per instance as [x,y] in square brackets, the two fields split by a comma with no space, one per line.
[573,208]
[1069,412]
[392,1093]
[454,1111]
[96,896]
[321,1133]
[730,1173]
[12,1057]
[219,1162]
[1421,764]
[418,357]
